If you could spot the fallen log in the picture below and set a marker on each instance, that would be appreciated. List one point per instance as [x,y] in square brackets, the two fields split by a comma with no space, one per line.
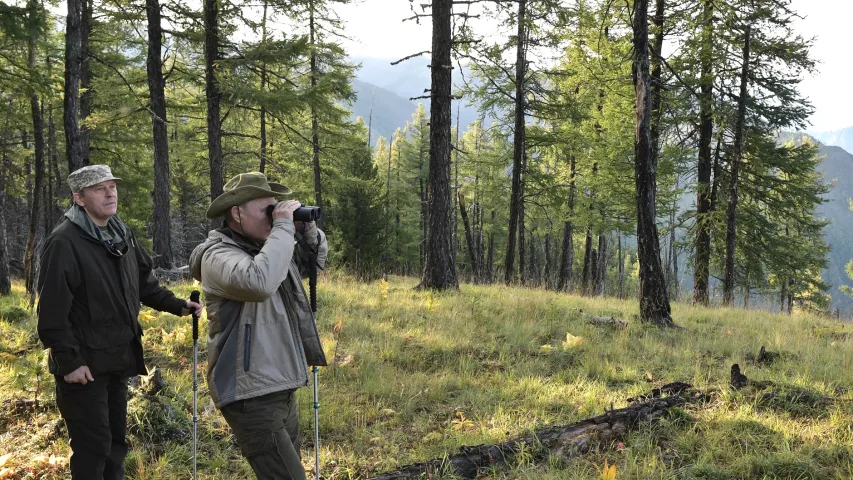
[563,441]
[605,321]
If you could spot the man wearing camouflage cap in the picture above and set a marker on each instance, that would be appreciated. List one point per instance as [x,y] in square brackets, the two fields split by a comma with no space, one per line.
[93,276]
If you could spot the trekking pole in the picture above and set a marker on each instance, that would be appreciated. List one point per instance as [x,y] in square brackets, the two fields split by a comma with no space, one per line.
[194,297]
[312,289]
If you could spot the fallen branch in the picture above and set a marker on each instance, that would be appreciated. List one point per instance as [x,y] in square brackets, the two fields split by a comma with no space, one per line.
[605,321]
[564,441]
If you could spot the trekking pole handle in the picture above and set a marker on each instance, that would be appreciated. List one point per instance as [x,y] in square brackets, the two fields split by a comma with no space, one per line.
[194,297]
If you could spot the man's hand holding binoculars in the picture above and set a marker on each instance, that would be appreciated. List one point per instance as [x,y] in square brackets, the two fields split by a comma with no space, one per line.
[285,209]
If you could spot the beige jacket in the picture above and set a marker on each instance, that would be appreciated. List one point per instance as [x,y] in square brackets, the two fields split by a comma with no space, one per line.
[262,332]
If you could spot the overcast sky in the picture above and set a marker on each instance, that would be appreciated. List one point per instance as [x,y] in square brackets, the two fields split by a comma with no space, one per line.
[377,29]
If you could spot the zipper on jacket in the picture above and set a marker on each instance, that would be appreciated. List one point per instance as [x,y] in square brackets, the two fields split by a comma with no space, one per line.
[247,347]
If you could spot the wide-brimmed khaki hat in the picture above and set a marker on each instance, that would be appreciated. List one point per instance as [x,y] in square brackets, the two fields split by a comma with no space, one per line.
[244,188]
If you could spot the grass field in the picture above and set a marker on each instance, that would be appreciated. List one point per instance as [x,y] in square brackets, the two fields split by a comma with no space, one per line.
[416,375]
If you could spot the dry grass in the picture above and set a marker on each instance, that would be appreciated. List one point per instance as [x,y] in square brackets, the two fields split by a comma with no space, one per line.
[417,375]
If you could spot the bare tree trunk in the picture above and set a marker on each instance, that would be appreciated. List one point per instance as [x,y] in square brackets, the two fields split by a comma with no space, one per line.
[388,243]
[86,97]
[522,246]
[703,237]
[50,194]
[731,214]
[469,237]
[567,257]
[518,144]
[593,262]
[424,207]
[587,258]
[621,265]
[601,266]
[263,113]
[5,280]
[746,290]
[315,126]
[490,266]
[30,265]
[654,299]
[73,59]
[548,283]
[214,97]
[533,268]
[440,265]
[160,129]
[455,187]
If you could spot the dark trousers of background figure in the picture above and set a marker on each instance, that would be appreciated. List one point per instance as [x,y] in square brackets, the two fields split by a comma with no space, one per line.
[96,417]
[267,431]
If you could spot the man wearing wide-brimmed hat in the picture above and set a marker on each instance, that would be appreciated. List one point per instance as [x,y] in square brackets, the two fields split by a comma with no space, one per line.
[262,331]
[93,276]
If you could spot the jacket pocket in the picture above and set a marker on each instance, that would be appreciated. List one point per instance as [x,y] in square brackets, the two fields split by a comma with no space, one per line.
[247,347]
[107,348]
[107,337]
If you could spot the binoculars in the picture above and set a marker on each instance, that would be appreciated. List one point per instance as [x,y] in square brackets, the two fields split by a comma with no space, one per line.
[302,214]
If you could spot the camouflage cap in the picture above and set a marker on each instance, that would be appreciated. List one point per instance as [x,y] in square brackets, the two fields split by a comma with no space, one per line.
[88,176]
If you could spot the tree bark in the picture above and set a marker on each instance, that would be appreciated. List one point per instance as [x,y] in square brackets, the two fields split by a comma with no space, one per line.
[568,254]
[654,299]
[601,266]
[51,181]
[469,237]
[593,263]
[86,97]
[262,167]
[621,262]
[657,80]
[73,59]
[160,129]
[315,126]
[424,204]
[548,283]
[30,258]
[518,143]
[490,261]
[587,258]
[455,187]
[440,265]
[5,277]
[703,205]
[731,214]
[523,270]
[214,97]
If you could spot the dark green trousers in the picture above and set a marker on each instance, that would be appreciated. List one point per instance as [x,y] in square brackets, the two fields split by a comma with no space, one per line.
[96,417]
[267,431]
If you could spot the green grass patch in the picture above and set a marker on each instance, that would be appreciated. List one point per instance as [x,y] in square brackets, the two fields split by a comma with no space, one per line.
[416,375]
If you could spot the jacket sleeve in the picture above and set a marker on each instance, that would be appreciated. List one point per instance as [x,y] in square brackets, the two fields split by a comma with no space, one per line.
[58,280]
[231,273]
[151,293]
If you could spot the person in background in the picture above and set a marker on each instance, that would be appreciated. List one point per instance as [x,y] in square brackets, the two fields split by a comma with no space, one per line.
[94,274]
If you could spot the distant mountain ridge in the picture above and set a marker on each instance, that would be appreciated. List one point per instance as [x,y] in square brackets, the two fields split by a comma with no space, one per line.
[837,171]
[839,138]
[392,88]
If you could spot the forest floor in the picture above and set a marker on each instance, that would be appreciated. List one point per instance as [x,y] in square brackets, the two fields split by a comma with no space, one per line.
[418,375]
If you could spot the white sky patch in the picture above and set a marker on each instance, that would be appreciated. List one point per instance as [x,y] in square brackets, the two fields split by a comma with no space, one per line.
[377,30]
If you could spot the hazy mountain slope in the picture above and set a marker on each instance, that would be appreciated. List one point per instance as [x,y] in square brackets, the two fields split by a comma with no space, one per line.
[837,168]
[390,111]
[840,138]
